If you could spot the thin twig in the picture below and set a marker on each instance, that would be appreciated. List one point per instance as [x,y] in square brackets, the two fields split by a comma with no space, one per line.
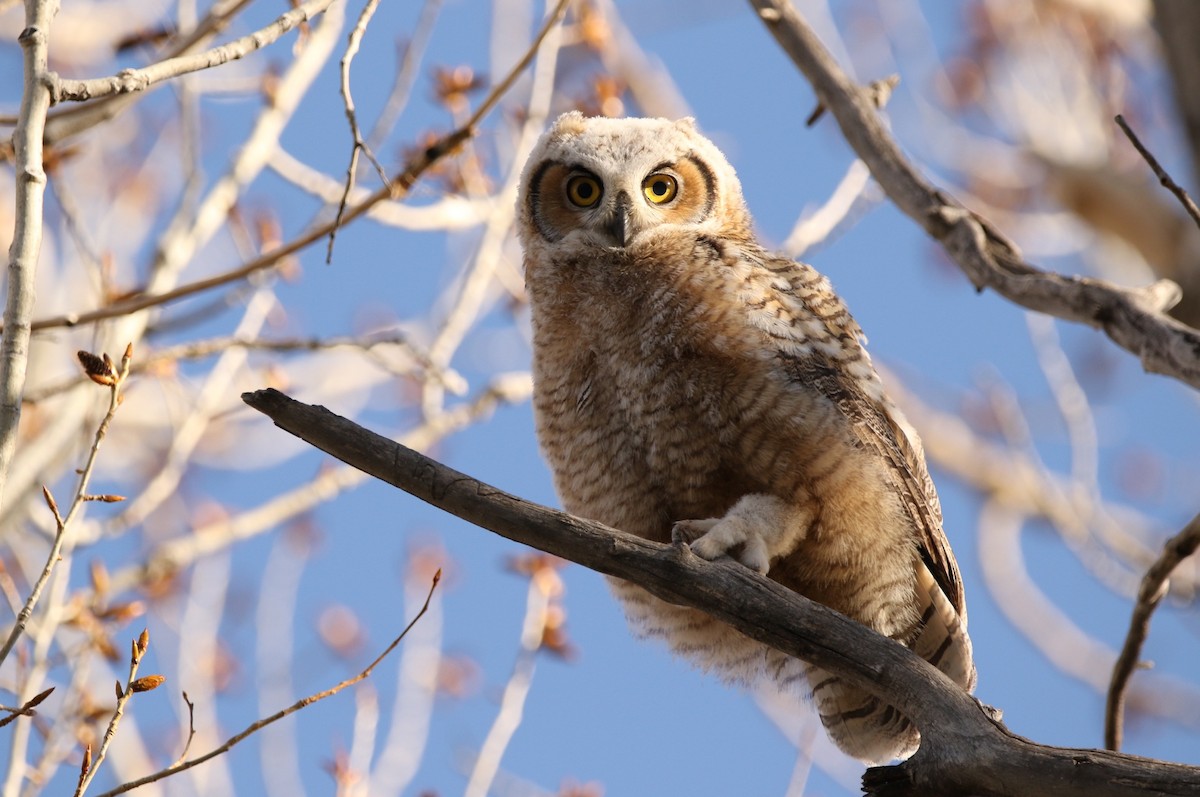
[292,709]
[400,186]
[116,379]
[1150,593]
[88,773]
[26,710]
[360,146]
[402,751]
[188,430]
[191,707]
[1161,173]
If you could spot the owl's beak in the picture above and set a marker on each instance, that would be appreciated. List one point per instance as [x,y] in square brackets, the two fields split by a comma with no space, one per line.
[618,227]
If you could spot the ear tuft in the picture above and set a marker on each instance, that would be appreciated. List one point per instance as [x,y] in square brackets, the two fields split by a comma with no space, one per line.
[570,123]
[687,124]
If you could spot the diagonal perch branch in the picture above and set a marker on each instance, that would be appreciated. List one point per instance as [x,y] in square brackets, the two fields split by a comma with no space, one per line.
[963,752]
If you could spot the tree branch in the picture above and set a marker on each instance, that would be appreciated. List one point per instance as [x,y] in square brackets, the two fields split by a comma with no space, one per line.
[26,248]
[1150,594]
[182,764]
[399,187]
[1134,318]
[1163,177]
[964,751]
[129,81]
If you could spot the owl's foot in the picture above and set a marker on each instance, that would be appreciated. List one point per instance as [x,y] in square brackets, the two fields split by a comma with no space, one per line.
[757,529]
[685,532]
[713,538]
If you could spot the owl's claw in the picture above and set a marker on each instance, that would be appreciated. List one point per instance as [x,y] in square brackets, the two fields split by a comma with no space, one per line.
[685,532]
[713,538]
[755,530]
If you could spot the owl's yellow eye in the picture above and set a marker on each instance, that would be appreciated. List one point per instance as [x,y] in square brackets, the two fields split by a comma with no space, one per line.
[584,191]
[660,188]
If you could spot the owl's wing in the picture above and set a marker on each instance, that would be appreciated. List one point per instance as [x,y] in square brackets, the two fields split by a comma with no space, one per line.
[839,367]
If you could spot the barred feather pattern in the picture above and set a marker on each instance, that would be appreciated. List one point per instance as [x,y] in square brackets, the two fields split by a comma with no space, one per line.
[687,381]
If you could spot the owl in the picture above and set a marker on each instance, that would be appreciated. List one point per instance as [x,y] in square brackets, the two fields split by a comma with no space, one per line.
[690,385]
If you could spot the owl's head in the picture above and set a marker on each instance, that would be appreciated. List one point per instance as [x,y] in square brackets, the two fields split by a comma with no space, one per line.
[601,182]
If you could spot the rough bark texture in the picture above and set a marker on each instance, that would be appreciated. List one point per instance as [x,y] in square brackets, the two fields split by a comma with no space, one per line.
[963,750]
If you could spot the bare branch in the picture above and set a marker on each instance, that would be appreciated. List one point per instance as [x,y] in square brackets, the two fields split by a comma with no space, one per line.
[400,186]
[360,146]
[1134,318]
[115,383]
[130,81]
[133,685]
[963,750]
[26,710]
[75,119]
[1150,593]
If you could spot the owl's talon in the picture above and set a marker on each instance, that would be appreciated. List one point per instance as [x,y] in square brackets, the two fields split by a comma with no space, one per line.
[715,538]
[685,532]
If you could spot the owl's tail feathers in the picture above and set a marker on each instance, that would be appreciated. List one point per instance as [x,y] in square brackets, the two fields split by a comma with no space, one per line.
[870,730]
[860,724]
[942,634]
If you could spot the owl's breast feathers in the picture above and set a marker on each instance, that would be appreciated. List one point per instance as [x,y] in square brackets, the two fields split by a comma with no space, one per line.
[669,385]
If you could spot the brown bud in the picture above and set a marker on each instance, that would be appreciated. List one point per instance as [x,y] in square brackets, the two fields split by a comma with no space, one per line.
[146,683]
[143,641]
[39,697]
[99,370]
[120,693]
[87,760]
[50,502]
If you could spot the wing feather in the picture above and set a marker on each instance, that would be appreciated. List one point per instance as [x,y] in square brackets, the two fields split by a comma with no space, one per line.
[844,374]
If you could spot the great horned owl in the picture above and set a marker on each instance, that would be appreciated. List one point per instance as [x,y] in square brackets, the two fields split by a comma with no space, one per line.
[688,382]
